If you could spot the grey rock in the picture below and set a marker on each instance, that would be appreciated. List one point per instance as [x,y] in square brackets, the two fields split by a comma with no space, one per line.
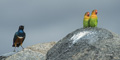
[87,44]
[35,52]
[4,56]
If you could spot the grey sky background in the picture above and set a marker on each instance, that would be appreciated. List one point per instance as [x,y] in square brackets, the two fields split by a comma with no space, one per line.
[51,20]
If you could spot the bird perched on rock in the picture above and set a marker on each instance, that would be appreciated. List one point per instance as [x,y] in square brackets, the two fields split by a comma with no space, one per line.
[86,20]
[19,37]
[93,21]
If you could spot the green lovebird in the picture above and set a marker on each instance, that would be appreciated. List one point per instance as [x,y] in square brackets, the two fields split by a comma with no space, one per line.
[93,21]
[86,19]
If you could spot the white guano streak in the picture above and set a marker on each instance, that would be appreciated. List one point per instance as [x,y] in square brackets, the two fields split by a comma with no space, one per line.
[76,37]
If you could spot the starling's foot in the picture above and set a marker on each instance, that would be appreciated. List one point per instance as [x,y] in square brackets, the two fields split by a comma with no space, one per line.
[22,49]
[14,51]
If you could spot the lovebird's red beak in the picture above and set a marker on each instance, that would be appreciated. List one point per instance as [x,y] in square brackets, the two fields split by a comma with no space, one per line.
[96,12]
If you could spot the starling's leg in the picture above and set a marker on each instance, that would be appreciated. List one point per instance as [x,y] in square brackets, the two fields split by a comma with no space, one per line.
[14,49]
[22,47]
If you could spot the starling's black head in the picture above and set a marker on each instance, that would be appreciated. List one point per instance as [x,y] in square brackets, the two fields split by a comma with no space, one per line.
[21,27]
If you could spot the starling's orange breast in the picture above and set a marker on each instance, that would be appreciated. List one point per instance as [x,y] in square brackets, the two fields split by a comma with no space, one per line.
[18,41]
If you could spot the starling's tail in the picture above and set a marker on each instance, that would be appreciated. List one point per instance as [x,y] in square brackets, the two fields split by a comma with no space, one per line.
[18,45]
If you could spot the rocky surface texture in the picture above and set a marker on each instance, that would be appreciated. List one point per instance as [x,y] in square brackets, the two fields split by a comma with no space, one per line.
[4,56]
[81,44]
[87,44]
[35,52]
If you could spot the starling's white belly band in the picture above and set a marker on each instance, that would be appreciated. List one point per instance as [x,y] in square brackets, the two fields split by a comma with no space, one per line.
[20,37]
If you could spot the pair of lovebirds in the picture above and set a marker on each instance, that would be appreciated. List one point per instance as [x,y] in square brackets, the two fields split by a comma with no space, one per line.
[90,21]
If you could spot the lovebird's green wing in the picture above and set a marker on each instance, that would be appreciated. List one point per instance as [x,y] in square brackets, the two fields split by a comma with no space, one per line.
[85,23]
[93,22]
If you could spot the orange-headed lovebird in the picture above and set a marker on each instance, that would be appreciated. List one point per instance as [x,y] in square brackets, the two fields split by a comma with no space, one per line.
[19,37]
[86,19]
[93,21]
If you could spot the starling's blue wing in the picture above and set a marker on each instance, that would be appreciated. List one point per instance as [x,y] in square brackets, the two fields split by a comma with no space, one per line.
[14,39]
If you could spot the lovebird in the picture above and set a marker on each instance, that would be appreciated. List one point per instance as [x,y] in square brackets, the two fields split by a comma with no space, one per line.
[19,37]
[93,21]
[86,20]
